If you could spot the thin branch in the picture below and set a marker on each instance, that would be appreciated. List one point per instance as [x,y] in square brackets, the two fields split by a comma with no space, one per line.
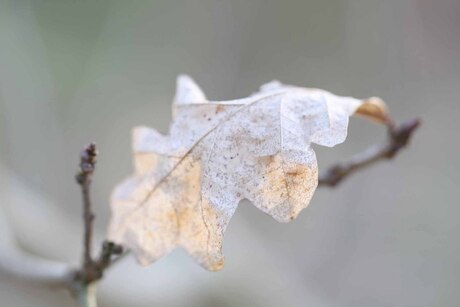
[398,138]
[84,177]
[92,269]
[81,282]
[109,249]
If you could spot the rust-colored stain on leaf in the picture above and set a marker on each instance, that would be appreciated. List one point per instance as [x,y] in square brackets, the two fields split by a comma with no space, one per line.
[187,185]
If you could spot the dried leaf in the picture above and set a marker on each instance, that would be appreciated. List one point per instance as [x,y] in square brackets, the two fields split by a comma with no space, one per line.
[187,185]
[375,109]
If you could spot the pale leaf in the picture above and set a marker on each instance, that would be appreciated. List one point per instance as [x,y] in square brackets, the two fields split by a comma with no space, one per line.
[187,185]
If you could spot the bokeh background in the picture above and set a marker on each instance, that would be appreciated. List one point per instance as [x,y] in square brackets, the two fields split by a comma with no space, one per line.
[78,71]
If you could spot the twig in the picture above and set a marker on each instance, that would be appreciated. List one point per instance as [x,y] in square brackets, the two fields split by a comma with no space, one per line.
[398,138]
[92,270]
[109,249]
[81,282]
[84,177]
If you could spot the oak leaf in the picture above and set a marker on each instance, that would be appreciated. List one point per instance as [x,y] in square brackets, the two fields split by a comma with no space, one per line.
[187,185]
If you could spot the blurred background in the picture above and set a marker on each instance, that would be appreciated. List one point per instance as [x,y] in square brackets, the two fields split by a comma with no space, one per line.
[72,72]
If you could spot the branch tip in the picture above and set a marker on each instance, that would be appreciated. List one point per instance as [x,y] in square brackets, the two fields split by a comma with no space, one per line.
[92,269]
[398,138]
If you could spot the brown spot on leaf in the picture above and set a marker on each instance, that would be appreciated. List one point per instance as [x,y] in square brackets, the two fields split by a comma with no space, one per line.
[219,108]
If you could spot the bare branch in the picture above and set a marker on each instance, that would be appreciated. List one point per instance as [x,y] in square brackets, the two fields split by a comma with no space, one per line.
[398,138]
[92,269]
[84,178]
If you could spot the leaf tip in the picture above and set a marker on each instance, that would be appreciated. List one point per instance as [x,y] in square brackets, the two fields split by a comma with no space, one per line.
[375,109]
[188,91]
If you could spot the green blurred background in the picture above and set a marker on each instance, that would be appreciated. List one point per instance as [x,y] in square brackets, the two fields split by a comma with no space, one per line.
[74,71]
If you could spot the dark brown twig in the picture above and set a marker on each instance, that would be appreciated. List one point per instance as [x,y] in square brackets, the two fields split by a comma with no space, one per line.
[109,249]
[398,138]
[84,176]
[92,269]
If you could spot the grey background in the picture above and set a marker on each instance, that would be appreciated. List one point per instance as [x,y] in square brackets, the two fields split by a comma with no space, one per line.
[76,71]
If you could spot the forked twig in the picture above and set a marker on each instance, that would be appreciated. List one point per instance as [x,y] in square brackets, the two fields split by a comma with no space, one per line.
[92,269]
[84,177]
